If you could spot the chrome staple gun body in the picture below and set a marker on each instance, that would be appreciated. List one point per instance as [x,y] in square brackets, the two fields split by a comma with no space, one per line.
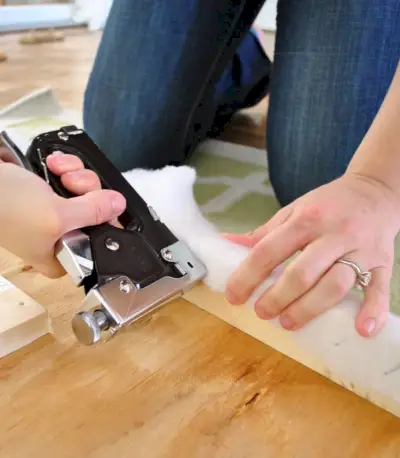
[126,272]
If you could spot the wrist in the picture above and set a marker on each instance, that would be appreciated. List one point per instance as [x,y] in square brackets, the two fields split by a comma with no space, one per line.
[370,163]
[382,189]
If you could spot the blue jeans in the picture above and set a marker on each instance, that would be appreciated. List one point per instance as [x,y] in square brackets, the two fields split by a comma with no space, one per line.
[168,74]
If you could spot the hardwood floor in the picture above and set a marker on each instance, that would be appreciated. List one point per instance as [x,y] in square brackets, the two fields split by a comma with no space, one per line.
[65,66]
[183,384]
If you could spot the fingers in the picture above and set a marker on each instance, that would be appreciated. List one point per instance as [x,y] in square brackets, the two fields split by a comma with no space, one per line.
[299,276]
[265,256]
[277,220]
[252,238]
[333,287]
[240,239]
[327,293]
[74,176]
[91,209]
[81,181]
[59,163]
[375,309]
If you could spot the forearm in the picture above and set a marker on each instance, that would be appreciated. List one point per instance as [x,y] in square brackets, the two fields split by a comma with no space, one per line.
[378,156]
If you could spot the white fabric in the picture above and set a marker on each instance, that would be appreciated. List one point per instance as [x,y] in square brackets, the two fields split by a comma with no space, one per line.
[331,338]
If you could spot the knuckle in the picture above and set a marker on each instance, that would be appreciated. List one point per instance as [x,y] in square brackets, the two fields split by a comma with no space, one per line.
[307,220]
[351,230]
[299,277]
[311,214]
[260,255]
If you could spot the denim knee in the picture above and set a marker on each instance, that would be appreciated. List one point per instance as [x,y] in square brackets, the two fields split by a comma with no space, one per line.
[326,88]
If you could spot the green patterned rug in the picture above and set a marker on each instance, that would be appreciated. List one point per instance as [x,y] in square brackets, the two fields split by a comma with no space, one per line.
[234,193]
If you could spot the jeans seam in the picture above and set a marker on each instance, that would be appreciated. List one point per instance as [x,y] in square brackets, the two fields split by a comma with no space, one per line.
[196,102]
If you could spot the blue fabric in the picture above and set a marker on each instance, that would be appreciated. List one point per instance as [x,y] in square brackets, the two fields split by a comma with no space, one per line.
[169,74]
[333,64]
[156,83]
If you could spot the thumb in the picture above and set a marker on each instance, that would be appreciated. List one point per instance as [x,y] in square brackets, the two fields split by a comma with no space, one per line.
[91,209]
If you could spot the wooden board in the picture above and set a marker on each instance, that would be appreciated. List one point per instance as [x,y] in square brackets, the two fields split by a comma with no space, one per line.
[22,319]
[246,320]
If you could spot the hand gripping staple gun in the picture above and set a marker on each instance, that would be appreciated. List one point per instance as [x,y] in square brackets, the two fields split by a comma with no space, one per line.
[126,272]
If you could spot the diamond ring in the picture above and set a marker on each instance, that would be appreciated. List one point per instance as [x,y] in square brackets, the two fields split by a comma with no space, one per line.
[363,278]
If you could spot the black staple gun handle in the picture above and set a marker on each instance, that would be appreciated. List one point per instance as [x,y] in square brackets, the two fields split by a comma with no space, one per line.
[72,140]
[143,235]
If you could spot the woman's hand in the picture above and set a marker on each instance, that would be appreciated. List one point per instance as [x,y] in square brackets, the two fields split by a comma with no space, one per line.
[33,218]
[354,217]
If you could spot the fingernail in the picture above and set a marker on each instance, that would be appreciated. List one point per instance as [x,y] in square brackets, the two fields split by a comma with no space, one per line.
[369,325]
[262,313]
[57,153]
[286,322]
[231,298]
[118,203]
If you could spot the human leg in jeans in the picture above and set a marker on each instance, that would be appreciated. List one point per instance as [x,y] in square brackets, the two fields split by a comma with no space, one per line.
[169,73]
[333,64]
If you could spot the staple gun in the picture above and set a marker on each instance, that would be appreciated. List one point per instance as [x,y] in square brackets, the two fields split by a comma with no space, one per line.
[126,272]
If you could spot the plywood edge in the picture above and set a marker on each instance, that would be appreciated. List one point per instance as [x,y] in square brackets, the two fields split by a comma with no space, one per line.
[244,319]
[22,319]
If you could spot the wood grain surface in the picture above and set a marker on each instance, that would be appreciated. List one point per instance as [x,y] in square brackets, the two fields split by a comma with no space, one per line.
[179,384]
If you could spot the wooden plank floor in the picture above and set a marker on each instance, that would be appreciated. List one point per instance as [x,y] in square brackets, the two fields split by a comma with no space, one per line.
[181,384]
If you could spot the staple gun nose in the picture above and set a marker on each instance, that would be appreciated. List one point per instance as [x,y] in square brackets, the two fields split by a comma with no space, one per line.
[88,327]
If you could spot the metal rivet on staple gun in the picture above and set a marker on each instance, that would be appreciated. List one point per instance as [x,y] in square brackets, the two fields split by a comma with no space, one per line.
[112,245]
[63,136]
[167,255]
[153,214]
[125,287]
